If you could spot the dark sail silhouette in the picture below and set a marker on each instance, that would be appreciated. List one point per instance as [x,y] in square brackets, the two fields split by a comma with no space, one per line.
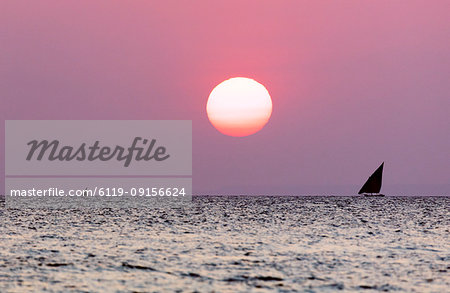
[373,184]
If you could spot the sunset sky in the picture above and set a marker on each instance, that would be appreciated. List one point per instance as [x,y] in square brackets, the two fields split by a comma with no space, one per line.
[353,84]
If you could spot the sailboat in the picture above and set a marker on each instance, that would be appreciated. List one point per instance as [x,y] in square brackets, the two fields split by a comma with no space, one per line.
[372,186]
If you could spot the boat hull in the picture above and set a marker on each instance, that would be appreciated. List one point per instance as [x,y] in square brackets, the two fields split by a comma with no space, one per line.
[374,195]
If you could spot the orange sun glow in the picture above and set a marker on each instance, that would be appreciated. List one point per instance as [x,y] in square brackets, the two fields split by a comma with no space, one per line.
[239,107]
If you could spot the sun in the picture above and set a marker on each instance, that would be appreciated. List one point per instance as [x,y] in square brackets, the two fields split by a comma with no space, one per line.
[239,106]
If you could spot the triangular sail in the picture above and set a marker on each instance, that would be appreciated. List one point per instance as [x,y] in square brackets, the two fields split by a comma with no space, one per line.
[373,184]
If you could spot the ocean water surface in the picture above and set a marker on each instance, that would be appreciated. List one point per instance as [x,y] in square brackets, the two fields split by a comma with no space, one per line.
[231,244]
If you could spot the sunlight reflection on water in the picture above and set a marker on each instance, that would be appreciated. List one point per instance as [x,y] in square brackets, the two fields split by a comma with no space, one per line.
[230,244]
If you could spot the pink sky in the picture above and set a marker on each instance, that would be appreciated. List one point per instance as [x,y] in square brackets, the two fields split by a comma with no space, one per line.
[353,83]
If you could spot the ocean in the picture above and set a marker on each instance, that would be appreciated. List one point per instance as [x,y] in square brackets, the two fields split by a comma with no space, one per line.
[232,244]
